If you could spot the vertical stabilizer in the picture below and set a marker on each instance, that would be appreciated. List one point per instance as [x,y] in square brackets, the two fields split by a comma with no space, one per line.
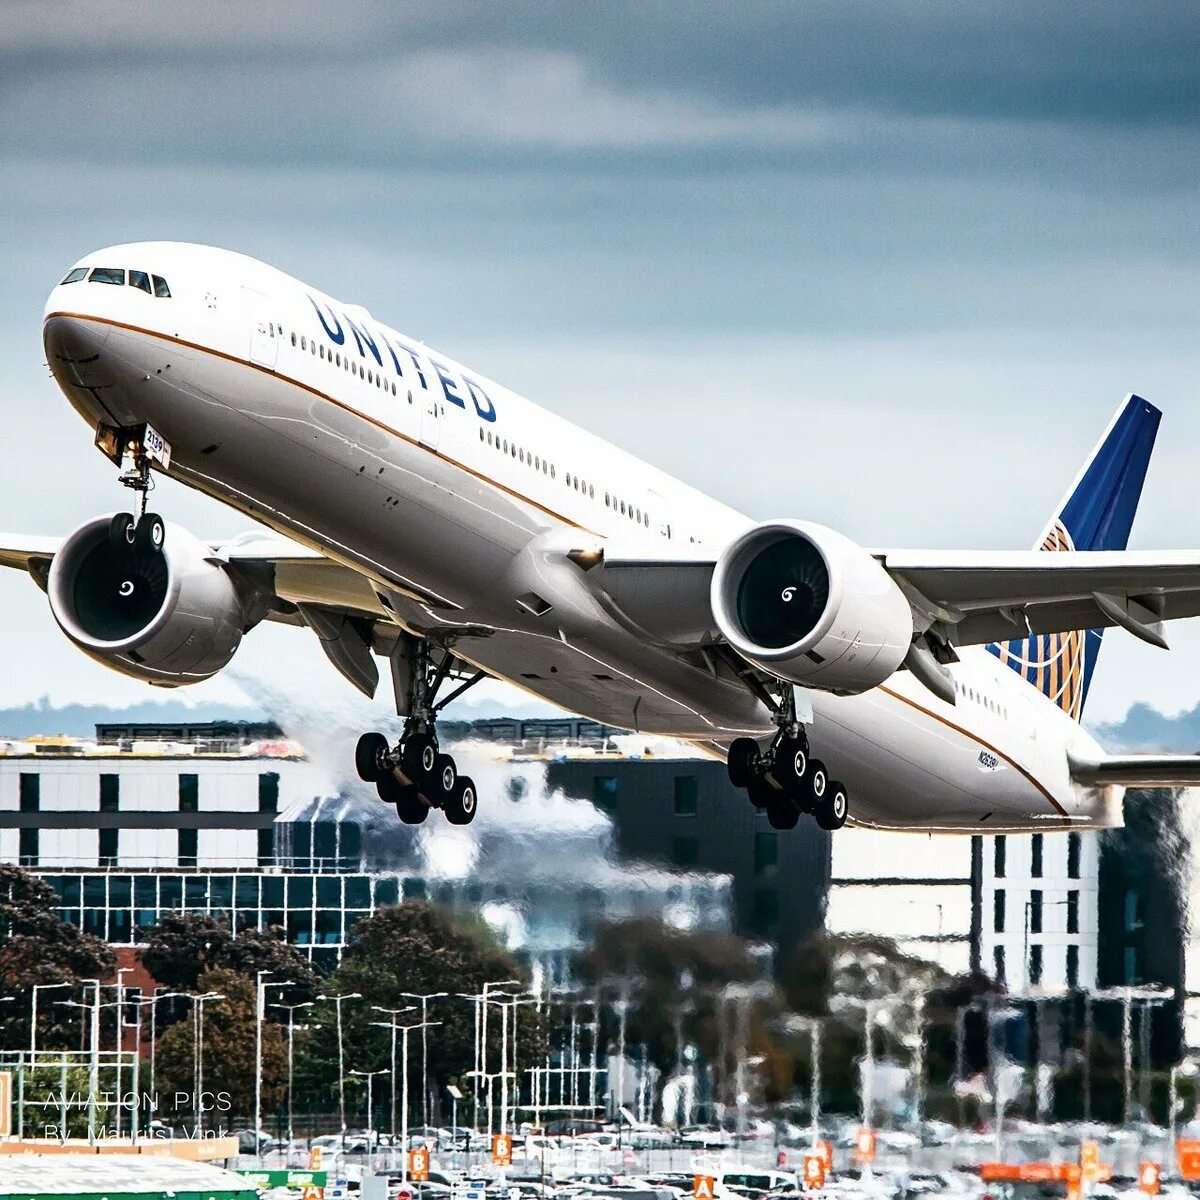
[1096,514]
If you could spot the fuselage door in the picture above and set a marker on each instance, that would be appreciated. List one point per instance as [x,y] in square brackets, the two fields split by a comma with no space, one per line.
[431,420]
[264,342]
[264,333]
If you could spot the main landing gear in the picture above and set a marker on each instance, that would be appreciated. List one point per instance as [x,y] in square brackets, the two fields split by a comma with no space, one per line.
[415,775]
[785,779]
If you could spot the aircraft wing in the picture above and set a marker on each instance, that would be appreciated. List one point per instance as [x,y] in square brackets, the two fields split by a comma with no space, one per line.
[975,597]
[969,597]
[20,550]
[1137,770]
[280,580]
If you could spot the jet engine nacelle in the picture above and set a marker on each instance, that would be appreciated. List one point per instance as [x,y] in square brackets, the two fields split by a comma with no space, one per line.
[169,616]
[811,607]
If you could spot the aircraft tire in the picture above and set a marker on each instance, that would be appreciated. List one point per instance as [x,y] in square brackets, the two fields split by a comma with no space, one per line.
[442,781]
[742,760]
[781,812]
[463,802]
[761,793]
[121,531]
[419,758]
[834,808]
[409,806]
[791,764]
[367,754]
[150,533]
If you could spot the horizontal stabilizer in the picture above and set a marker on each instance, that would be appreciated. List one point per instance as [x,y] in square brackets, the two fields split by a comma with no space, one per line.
[1137,770]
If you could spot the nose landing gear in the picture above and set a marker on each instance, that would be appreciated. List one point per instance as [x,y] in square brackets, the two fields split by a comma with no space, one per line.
[785,779]
[415,775]
[139,530]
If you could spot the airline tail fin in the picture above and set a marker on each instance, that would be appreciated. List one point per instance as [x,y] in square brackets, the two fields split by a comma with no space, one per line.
[1096,514]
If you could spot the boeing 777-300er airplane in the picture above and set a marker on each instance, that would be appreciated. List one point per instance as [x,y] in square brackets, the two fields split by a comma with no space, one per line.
[428,516]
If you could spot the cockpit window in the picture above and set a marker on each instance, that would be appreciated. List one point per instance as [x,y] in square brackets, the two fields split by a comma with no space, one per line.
[160,288]
[139,279]
[75,274]
[107,275]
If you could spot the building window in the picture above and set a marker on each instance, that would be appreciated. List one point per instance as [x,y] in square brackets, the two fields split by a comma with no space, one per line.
[1072,966]
[1035,964]
[110,793]
[999,972]
[31,792]
[1131,966]
[998,911]
[28,848]
[189,793]
[266,847]
[187,847]
[766,853]
[1133,916]
[605,789]
[686,795]
[1035,856]
[108,846]
[1035,911]
[1072,912]
[999,853]
[1074,850]
[268,792]
[685,851]
[766,912]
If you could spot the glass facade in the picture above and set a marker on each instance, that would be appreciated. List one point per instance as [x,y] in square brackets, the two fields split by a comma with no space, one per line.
[318,910]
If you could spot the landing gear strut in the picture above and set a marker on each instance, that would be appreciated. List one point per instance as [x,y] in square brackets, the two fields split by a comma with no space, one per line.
[415,775]
[785,779]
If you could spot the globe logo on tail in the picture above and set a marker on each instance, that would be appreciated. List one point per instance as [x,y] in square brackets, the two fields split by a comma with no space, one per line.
[1052,662]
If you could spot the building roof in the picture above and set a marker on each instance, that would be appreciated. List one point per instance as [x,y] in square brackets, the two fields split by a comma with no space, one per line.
[117,1176]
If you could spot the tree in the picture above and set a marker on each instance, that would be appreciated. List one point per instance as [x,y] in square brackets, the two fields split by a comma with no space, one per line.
[229,1055]
[675,978]
[38,947]
[418,948]
[182,946]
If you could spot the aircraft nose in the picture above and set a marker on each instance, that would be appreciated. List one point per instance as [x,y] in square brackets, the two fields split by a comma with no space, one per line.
[72,339]
[73,348]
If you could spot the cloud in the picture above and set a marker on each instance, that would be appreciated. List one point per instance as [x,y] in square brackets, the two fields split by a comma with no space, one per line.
[520,98]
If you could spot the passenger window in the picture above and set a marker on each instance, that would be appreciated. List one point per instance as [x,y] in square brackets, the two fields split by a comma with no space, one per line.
[293,339]
[139,279]
[160,288]
[75,274]
[551,470]
[107,275]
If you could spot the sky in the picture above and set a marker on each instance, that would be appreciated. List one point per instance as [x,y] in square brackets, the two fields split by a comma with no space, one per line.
[886,266]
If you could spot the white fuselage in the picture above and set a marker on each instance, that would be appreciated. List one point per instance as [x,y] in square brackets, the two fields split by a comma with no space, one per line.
[447,494]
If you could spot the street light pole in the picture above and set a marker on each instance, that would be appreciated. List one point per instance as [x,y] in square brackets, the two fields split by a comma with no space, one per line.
[338,1001]
[424,999]
[404,1031]
[198,1003]
[291,1044]
[369,1076]
[260,1009]
[393,1013]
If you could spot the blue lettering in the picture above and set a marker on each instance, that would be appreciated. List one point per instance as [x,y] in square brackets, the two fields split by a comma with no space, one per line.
[338,338]
[392,352]
[416,363]
[488,413]
[449,384]
[360,336]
